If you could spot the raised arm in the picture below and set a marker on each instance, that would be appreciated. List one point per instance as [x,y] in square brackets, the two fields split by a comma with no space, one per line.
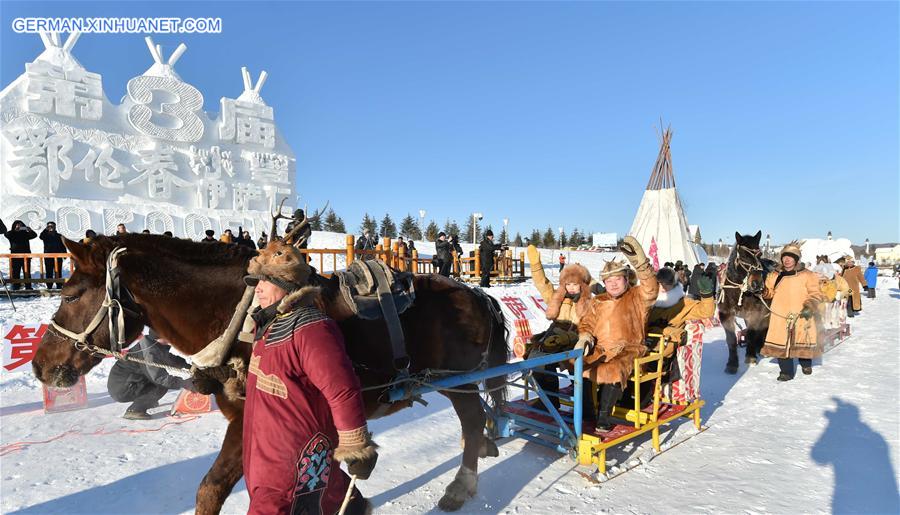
[543,285]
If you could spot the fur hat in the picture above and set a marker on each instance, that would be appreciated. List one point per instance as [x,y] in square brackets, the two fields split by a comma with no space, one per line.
[613,268]
[280,264]
[791,249]
[488,233]
[573,273]
[209,232]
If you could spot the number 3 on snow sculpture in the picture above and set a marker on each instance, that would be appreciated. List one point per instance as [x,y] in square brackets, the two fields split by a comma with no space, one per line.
[178,112]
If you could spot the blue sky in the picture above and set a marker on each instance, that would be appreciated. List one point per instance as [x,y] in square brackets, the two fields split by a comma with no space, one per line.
[785,115]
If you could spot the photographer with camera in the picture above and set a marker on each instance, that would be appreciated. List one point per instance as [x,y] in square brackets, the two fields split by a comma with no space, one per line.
[53,243]
[486,255]
[19,236]
[443,258]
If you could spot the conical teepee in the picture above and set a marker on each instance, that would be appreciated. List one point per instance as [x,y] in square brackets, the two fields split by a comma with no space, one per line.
[660,215]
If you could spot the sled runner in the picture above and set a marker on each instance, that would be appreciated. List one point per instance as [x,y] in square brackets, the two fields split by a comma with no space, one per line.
[563,429]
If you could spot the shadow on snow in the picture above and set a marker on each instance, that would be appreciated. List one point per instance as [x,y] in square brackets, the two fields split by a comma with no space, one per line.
[135,493]
[864,479]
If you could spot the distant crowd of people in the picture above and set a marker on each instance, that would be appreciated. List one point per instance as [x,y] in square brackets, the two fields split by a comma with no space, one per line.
[20,235]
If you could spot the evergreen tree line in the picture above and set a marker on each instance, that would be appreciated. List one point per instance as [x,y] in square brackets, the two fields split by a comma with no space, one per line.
[409,229]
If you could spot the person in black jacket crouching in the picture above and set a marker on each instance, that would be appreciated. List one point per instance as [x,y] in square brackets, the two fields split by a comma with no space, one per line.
[144,385]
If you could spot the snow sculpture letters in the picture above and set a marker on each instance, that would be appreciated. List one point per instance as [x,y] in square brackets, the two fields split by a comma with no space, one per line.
[157,161]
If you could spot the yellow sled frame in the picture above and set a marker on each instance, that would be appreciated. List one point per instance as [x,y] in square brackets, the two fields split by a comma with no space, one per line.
[592,450]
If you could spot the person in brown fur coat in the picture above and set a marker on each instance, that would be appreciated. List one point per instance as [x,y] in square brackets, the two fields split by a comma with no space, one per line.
[612,332]
[565,307]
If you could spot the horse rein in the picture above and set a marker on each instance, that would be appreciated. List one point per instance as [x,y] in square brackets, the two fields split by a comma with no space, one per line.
[114,307]
[743,286]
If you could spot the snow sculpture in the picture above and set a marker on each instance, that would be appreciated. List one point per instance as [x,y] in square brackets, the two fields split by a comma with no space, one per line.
[114,216]
[158,169]
[59,85]
[109,171]
[32,214]
[158,222]
[72,222]
[179,109]
[155,161]
[248,119]
[190,226]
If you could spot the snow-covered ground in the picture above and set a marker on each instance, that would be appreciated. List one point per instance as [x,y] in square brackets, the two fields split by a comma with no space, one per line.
[820,443]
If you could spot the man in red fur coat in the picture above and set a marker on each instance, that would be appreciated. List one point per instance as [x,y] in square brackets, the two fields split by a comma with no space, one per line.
[304,411]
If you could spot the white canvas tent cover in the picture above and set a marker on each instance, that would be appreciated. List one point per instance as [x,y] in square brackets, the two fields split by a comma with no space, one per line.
[661,216]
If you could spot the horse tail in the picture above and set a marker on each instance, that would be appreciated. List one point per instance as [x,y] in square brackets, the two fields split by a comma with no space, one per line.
[498,347]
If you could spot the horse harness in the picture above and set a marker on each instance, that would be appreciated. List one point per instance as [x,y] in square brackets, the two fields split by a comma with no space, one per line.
[743,286]
[118,303]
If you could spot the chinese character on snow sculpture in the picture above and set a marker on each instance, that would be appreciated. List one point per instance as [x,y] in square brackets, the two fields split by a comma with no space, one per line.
[57,83]
[248,119]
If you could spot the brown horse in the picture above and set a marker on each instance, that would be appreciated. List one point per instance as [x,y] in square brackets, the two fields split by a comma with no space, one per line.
[187,293]
[743,282]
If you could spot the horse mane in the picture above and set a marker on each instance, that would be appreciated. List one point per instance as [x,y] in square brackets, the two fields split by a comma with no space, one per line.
[187,251]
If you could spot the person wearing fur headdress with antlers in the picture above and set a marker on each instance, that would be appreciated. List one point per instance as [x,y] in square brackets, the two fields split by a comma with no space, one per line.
[304,410]
[612,332]
[566,305]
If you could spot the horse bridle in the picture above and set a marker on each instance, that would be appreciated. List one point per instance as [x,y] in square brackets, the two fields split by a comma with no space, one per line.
[118,302]
[748,268]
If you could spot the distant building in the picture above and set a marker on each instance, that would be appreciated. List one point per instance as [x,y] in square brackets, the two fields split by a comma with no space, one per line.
[887,255]
[605,239]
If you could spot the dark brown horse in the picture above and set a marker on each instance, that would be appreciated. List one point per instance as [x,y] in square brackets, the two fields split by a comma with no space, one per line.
[187,293]
[743,282]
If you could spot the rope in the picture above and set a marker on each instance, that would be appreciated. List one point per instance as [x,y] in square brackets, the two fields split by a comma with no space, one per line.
[110,307]
[18,446]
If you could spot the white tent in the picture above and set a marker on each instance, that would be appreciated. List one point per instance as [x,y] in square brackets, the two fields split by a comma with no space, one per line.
[660,216]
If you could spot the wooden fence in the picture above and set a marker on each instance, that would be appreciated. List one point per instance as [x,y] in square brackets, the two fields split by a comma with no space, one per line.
[46,262]
[507,269]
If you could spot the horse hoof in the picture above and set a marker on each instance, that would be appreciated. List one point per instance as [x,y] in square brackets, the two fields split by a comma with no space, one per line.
[750,360]
[449,503]
[488,449]
[463,488]
[731,369]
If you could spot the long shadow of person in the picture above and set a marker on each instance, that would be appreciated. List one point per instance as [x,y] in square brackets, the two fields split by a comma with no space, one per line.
[864,479]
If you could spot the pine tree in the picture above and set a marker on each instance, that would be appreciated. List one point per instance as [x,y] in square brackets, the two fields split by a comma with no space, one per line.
[339,225]
[549,239]
[468,232]
[431,232]
[369,225]
[331,221]
[388,228]
[536,238]
[409,229]
[504,238]
[451,228]
[518,241]
[575,238]
[315,222]
[563,240]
